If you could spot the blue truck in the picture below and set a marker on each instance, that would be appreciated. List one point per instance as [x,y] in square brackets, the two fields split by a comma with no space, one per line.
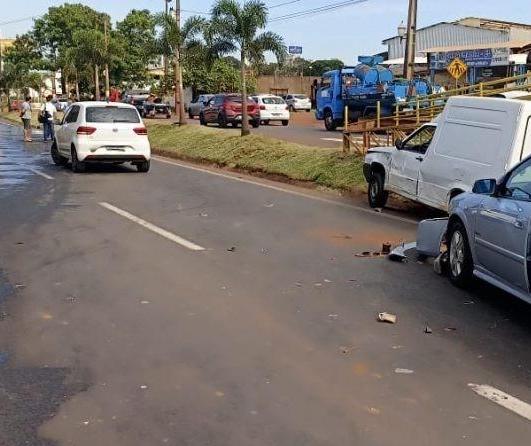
[360,87]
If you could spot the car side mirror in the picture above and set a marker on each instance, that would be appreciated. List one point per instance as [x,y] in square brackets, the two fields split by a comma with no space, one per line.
[399,143]
[485,187]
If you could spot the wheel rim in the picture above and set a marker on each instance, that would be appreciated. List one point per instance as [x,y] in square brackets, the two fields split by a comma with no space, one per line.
[457,253]
[328,120]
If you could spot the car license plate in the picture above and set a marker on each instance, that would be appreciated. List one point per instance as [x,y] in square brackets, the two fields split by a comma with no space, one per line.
[276,114]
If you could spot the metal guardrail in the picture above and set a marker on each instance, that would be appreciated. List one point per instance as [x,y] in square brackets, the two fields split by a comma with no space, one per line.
[409,115]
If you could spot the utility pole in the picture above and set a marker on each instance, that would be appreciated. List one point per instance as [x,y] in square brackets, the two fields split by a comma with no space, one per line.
[165,57]
[411,37]
[107,82]
[179,102]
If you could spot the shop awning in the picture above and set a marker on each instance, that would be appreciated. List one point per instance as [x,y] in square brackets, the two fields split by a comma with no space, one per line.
[478,46]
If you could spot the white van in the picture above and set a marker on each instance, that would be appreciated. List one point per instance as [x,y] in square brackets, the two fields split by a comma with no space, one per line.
[473,138]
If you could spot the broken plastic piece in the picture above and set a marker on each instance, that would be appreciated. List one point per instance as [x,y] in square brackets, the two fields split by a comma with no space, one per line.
[387,317]
[399,253]
[430,234]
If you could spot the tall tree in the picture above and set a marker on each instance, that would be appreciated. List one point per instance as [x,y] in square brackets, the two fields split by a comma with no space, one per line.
[175,42]
[137,31]
[238,29]
[54,31]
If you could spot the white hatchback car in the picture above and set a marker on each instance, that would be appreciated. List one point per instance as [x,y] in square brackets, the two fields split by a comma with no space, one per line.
[101,132]
[298,102]
[272,108]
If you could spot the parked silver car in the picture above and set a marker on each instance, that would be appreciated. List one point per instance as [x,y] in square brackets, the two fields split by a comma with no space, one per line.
[194,108]
[488,233]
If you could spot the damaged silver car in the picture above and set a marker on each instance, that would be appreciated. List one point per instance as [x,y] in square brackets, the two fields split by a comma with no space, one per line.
[488,233]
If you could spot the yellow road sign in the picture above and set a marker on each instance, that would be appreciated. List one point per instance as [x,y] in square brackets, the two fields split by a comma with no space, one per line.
[457,68]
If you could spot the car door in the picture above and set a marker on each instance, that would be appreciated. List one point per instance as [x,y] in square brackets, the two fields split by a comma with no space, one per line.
[68,129]
[501,234]
[406,161]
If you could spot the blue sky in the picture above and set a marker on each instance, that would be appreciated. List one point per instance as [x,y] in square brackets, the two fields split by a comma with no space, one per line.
[344,33]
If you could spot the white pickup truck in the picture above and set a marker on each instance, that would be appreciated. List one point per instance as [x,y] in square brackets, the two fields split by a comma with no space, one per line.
[473,138]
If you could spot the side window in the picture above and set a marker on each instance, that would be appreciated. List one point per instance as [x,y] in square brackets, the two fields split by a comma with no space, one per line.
[72,114]
[420,141]
[218,100]
[518,186]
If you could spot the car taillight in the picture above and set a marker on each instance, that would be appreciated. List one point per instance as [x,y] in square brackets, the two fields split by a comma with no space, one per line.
[83,130]
[140,130]
[262,107]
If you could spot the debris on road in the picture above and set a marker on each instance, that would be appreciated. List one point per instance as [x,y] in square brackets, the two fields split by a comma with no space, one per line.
[333,316]
[269,205]
[387,317]
[386,248]
[298,284]
[344,350]
[399,253]
[318,284]
[20,285]
[145,302]
[203,214]
[450,329]
[428,330]
[327,281]
[231,249]
[440,263]
[404,371]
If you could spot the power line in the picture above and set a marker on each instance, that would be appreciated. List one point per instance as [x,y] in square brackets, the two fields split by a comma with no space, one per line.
[23,19]
[283,4]
[318,10]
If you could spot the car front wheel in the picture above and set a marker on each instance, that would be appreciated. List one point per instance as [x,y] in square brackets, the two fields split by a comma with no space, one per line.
[377,194]
[330,124]
[459,256]
[285,123]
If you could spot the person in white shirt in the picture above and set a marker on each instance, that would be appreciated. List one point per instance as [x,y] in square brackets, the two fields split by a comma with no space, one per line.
[49,111]
[25,115]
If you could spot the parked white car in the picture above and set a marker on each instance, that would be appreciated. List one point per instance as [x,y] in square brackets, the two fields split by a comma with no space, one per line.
[272,108]
[473,138]
[298,102]
[101,132]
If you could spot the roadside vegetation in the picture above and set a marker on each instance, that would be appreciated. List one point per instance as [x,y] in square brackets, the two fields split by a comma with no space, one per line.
[257,153]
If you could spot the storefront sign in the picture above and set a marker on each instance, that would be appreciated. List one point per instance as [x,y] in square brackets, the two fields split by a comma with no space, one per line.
[491,57]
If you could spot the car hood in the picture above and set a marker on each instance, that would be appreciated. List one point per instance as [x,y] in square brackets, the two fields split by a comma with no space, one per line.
[387,150]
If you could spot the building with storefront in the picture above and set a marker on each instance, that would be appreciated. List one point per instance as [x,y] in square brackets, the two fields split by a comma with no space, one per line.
[490,49]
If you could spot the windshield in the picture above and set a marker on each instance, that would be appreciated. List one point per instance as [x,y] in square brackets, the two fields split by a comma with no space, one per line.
[300,96]
[273,100]
[112,114]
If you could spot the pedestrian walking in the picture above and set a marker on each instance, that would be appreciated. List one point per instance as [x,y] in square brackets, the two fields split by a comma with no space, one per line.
[25,115]
[48,115]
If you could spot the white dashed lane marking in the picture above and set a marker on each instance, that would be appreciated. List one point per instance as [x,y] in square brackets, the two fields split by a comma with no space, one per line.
[503,399]
[153,228]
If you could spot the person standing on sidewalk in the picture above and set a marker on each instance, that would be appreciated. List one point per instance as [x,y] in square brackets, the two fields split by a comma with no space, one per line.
[25,115]
[49,112]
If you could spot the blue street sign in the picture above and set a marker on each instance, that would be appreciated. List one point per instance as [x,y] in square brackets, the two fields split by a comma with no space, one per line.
[295,50]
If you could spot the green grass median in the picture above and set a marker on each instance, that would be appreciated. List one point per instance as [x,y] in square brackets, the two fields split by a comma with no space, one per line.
[257,153]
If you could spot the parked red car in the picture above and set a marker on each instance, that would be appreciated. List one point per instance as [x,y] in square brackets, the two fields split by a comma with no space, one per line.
[225,109]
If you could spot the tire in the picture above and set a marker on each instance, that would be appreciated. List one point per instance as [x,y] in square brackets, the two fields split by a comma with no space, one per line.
[234,124]
[285,123]
[376,194]
[255,123]
[266,122]
[144,166]
[57,158]
[308,111]
[222,122]
[202,120]
[460,264]
[77,166]
[329,122]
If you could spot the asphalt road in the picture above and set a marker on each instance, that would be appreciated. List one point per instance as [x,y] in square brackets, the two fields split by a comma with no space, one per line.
[195,307]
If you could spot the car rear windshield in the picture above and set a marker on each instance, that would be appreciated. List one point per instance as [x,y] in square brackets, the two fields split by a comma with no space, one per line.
[112,114]
[238,98]
[273,100]
[300,96]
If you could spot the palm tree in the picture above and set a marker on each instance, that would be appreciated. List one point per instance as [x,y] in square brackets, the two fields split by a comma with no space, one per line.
[237,27]
[174,42]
